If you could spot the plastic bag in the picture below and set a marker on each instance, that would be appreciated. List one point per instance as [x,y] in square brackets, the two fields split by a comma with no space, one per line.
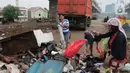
[100,50]
[73,48]
[105,44]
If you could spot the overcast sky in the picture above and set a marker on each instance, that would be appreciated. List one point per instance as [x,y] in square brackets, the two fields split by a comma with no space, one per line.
[45,3]
[26,3]
[103,3]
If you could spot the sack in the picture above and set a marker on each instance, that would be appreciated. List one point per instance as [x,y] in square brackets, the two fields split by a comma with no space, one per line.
[73,48]
[105,44]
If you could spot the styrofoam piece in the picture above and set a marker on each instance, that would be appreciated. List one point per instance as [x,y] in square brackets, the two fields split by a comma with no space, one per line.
[61,32]
[63,43]
[43,37]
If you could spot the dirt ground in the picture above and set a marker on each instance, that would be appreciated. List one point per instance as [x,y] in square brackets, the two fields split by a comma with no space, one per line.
[17,28]
[79,35]
[8,30]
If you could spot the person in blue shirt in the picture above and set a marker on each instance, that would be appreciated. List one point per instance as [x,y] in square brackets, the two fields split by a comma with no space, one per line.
[65,27]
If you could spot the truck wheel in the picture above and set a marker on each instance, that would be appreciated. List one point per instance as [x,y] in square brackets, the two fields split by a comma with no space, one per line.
[85,26]
[88,21]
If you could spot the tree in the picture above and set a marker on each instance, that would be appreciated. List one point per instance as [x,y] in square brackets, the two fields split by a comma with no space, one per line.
[10,13]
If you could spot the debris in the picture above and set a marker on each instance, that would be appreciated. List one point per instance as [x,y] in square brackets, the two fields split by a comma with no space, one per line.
[126,67]
[26,41]
[12,68]
[31,53]
[3,34]
[23,67]
[8,59]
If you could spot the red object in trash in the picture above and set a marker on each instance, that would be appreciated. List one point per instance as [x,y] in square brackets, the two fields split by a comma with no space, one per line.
[99,50]
[73,48]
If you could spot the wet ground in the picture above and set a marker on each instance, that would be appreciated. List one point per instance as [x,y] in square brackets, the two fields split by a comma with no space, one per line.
[8,30]
[16,28]
[79,34]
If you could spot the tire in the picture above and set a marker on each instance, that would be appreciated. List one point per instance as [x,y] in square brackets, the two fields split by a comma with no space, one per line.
[88,21]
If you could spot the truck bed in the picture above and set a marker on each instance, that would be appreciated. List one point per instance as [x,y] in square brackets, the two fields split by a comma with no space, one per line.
[75,7]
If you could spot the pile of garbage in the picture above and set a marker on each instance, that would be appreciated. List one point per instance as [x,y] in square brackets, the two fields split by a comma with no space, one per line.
[25,52]
[19,52]
[37,52]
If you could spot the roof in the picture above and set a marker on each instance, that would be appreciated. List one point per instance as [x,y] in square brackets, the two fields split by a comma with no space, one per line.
[22,8]
[35,8]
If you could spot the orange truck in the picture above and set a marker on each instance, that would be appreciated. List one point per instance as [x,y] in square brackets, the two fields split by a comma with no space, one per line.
[76,11]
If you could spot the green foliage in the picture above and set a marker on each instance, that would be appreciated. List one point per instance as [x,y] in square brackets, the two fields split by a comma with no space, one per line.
[10,13]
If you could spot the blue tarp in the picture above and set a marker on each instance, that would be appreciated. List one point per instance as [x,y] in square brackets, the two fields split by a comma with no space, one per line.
[53,66]
[36,67]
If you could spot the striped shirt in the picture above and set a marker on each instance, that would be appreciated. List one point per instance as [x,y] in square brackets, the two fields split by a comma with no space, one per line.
[65,22]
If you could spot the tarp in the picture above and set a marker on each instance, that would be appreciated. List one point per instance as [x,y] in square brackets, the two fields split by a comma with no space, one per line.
[53,66]
[36,67]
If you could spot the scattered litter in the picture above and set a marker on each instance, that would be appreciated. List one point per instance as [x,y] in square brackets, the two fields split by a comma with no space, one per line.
[3,34]
[126,67]
[98,64]
[12,68]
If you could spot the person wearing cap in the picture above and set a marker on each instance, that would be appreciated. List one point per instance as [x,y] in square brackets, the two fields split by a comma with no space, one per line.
[117,44]
[65,27]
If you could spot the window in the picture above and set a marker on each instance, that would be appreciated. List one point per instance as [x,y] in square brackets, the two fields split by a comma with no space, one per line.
[39,14]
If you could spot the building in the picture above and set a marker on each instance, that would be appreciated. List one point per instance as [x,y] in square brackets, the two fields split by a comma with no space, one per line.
[1,12]
[110,15]
[109,11]
[37,12]
[110,8]
[23,14]
[127,9]
[1,15]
